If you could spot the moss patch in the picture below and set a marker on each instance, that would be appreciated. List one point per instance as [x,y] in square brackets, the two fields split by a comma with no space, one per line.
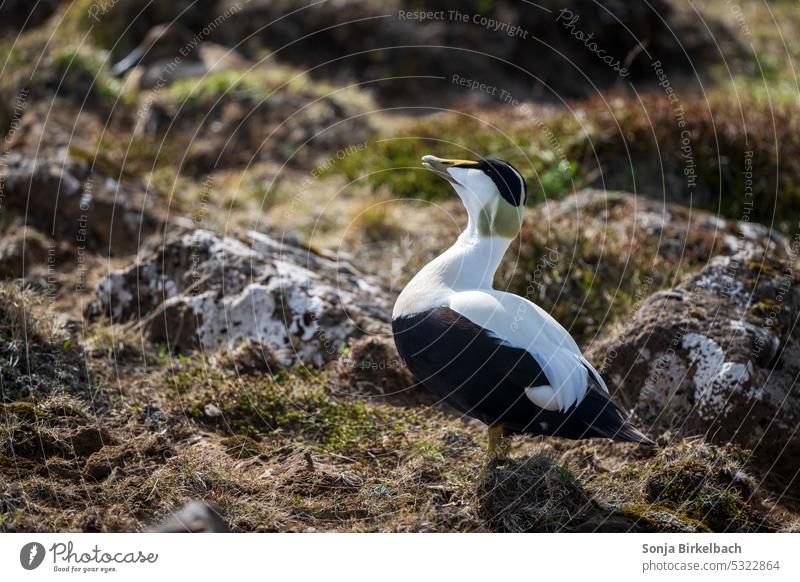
[708,488]
[293,404]
[83,74]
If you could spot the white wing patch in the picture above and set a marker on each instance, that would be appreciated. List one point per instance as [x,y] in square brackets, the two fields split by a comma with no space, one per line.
[523,324]
[566,374]
[543,397]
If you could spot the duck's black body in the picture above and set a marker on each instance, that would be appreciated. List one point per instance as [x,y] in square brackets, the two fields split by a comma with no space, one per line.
[481,376]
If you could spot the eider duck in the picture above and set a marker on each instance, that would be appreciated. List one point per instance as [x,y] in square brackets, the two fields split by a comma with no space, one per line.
[493,355]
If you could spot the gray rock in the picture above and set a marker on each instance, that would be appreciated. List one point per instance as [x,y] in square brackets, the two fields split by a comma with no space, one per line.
[206,291]
[719,355]
[194,517]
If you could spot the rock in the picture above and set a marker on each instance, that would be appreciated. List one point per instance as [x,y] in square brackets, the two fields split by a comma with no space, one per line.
[665,231]
[211,410]
[201,290]
[592,258]
[194,517]
[153,416]
[718,356]
[55,185]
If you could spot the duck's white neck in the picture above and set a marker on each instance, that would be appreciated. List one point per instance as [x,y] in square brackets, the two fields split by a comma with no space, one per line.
[470,263]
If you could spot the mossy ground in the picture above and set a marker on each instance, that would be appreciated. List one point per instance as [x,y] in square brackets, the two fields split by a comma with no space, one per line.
[290,452]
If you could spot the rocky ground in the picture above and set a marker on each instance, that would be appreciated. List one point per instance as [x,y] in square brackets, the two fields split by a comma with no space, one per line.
[198,275]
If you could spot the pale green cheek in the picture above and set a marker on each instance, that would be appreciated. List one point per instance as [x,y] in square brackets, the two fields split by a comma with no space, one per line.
[500,219]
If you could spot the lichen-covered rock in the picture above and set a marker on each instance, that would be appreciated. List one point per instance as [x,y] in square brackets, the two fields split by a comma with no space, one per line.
[592,258]
[206,291]
[718,355]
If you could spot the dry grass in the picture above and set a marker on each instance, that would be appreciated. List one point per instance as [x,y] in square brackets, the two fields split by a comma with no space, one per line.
[292,452]
[23,318]
[37,356]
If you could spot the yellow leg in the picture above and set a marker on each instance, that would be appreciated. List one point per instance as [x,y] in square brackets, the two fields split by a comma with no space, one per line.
[499,443]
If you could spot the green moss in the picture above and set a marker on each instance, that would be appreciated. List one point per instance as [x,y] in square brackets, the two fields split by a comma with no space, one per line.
[182,381]
[311,414]
[722,510]
[702,489]
[254,85]
[677,482]
[661,518]
[83,73]
[293,403]
[212,86]
[431,449]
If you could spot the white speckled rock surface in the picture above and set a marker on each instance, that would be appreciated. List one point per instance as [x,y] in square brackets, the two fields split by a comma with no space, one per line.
[718,355]
[204,291]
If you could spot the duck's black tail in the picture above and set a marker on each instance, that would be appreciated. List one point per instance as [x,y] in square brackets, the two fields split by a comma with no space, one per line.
[606,419]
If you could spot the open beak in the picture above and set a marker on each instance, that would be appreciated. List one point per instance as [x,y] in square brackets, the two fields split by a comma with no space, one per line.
[439,166]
